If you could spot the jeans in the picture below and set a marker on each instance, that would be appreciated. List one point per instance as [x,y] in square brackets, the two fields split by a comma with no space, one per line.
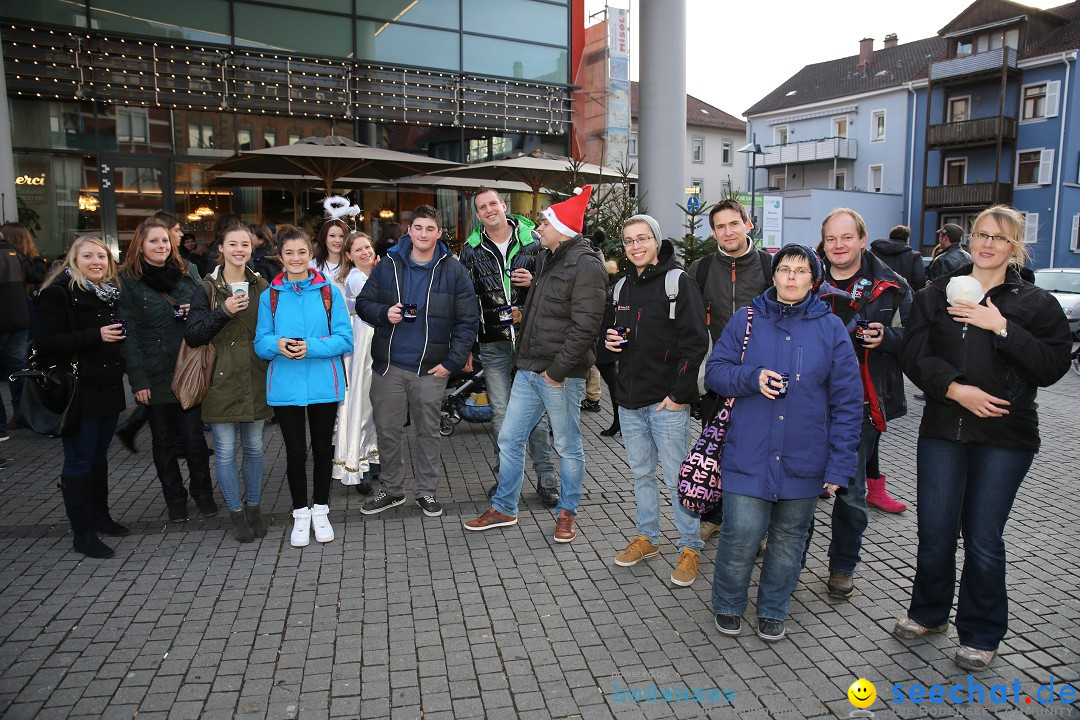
[746,520]
[648,436]
[251,437]
[971,487]
[530,397]
[850,516]
[89,447]
[167,423]
[395,395]
[498,361]
[320,418]
[13,356]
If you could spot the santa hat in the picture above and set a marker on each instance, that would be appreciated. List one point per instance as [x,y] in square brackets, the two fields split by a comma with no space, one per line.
[568,216]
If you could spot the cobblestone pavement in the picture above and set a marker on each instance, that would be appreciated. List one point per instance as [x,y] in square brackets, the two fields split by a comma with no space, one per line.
[404,616]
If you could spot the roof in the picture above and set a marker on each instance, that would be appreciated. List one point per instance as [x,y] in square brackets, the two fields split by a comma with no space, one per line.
[891,67]
[698,113]
[1062,39]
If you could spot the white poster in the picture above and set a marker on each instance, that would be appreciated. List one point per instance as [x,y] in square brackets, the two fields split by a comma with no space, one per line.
[772,221]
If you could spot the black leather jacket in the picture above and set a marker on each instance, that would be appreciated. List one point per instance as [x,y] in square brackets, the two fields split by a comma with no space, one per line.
[949,259]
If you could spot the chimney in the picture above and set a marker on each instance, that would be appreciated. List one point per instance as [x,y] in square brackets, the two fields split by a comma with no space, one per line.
[890,40]
[866,53]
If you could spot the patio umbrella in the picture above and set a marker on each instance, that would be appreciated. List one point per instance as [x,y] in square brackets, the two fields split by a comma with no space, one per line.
[536,169]
[329,158]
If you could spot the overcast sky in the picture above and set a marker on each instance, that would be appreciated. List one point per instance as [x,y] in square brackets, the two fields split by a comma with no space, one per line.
[763,43]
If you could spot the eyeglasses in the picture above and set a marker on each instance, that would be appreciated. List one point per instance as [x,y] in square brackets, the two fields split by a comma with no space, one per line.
[793,272]
[639,240]
[980,236]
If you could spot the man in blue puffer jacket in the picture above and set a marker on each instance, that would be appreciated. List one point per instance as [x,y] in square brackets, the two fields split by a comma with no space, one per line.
[421,303]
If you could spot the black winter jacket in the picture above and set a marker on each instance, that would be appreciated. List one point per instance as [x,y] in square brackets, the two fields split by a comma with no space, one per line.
[491,279]
[938,351]
[949,259]
[563,312]
[903,260]
[663,355]
[729,283]
[889,304]
[16,314]
[101,364]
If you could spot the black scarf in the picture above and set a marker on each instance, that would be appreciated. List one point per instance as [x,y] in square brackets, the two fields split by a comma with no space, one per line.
[162,279]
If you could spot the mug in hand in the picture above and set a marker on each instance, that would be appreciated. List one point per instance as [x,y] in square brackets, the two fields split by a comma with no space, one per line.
[121,322]
[781,385]
[408,312]
[179,315]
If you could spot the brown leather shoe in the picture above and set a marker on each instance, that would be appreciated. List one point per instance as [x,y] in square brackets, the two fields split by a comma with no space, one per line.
[564,527]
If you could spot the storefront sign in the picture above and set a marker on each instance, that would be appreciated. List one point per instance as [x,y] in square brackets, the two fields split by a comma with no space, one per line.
[29,180]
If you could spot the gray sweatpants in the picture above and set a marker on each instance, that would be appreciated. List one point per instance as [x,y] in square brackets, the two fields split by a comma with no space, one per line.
[393,396]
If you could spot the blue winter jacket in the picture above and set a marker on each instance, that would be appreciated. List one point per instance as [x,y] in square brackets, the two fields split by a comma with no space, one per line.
[320,376]
[785,449]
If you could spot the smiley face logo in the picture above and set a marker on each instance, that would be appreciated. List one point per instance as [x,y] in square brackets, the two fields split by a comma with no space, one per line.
[862,693]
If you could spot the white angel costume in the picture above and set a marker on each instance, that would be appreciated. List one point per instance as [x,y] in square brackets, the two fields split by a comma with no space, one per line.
[355,443]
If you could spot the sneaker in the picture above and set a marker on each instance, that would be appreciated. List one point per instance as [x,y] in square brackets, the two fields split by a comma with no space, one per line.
[207,506]
[840,586]
[708,529]
[971,658]
[728,624]
[491,518]
[320,520]
[127,438]
[382,502]
[4,436]
[178,512]
[908,629]
[549,496]
[639,549]
[430,507]
[770,630]
[686,570]
[590,405]
[564,527]
[301,529]
[364,487]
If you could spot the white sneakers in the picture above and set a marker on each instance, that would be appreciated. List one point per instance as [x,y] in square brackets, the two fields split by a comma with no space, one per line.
[319,520]
[306,518]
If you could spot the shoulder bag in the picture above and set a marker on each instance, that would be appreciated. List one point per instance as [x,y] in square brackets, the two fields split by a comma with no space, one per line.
[194,366]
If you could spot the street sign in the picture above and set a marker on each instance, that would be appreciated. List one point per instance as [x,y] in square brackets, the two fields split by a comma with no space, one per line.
[693,204]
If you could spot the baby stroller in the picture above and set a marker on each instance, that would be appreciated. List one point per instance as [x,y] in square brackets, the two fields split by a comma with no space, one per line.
[460,403]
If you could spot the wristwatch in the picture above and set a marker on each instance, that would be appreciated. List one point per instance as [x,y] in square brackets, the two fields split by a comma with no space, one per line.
[1004,332]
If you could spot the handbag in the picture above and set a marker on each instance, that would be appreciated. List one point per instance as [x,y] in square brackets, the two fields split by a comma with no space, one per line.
[194,366]
[50,397]
[699,475]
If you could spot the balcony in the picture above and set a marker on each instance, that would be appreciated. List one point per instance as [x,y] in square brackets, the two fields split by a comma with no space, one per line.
[974,195]
[969,133]
[810,151]
[973,66]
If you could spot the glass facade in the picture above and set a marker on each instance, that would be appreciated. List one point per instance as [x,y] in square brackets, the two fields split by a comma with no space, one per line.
[188,21]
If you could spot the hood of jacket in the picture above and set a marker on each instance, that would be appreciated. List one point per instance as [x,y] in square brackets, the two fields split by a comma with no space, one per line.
[403,249]
[811,306]
[890,247]
[313,281]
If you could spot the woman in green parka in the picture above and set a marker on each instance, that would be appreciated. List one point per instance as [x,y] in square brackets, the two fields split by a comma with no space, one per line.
[156,287]
[224,311]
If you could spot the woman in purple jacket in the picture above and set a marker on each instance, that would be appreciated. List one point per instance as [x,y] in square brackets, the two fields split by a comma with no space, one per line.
[794,430]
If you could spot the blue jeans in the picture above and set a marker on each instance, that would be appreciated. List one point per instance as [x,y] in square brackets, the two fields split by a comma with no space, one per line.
[498,361]
[649,436]
[530,398]
[746,520]
[969,487]
[251,437]
[850,516]
[13,356]
[89,447]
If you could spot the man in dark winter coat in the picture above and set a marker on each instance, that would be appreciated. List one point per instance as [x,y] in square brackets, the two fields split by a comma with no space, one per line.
[897,253]
[560,326]
[665,343]
[881,300]
[14,321]
[952,254]
[500,255]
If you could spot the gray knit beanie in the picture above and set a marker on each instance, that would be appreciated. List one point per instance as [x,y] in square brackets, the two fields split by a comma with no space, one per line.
[650,221]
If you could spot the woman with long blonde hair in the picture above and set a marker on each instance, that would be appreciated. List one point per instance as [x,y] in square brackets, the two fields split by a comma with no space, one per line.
[77,323]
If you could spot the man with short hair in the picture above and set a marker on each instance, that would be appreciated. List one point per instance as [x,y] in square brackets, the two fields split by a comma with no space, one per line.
[560,326]
[500,255]
[897,253]
[880,298]
[951,253]
[421,303]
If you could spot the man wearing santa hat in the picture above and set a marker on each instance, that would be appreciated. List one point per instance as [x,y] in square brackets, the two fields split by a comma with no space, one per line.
[556,347]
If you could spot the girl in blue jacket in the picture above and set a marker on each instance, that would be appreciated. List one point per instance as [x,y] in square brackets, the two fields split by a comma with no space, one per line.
[304,331]
[794,429]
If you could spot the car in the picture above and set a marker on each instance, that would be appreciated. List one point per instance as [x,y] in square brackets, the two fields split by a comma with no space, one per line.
[1064,285]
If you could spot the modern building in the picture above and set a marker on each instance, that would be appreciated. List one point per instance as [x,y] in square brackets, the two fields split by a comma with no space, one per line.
[118,108]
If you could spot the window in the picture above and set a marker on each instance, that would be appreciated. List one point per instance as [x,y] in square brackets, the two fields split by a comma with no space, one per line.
[490,56]
[1040,101]
[700,185]
[697,150]
[782,135]
[633,143]
[725,152]
[778,181]
[877,126]
[289,30]
[1075,244]
[243,139]
[875,178]
[1031,228]
[839,127]
[132,125]
[1034,167]
[269,138]
[963,47]
[840,180]
[955,171]
[958,108]
[294,138]
[200,137]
